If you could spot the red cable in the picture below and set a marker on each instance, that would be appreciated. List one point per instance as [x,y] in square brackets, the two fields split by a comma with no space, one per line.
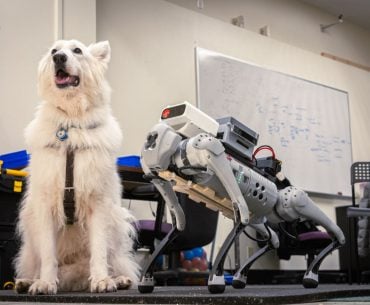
[264,147]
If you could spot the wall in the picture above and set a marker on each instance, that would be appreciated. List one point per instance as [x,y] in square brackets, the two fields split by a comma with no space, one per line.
[153,66]
[79,20]
[292,22]
[24,38]
[27,30]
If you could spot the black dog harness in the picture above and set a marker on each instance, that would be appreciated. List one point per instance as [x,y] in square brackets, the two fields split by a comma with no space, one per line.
[69,203]
[69,191]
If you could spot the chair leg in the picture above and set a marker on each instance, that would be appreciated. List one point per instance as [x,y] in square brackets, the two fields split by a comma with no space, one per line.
[310,258]
[354,260]
[146,284]
[355,246]
[350,270]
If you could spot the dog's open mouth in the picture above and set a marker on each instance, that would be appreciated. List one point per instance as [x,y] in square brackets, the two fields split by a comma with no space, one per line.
[63,79]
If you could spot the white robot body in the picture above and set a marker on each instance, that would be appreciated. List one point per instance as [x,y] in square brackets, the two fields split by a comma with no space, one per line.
[260,193]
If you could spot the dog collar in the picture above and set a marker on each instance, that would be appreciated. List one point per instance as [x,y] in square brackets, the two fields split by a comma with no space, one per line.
[62,132]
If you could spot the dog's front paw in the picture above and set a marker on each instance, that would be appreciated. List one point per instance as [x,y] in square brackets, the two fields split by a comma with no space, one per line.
[43,287]
[104,285]
[22,285]
[123,282]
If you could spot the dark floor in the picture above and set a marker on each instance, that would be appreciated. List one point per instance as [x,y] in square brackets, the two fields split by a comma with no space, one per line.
[253,294]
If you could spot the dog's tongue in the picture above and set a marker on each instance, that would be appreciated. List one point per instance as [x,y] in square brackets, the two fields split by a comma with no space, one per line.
[62,80]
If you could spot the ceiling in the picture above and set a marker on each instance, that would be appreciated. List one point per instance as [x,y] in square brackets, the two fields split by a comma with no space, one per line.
[355,11]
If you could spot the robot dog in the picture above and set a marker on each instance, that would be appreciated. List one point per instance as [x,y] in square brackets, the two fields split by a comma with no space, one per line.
[203,154]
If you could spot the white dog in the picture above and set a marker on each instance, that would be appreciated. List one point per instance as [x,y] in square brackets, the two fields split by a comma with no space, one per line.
[95,251]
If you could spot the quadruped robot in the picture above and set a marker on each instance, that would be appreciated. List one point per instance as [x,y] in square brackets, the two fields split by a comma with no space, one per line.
[217,154]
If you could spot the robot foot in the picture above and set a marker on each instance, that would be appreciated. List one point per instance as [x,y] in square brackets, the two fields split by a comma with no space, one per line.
[216,289]
[146,285]
[216,284]
[216,281]
[239,282]
[310,280]
[240,277]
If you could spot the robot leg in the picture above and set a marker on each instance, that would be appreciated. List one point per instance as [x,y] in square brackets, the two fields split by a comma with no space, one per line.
[240,277]
[262,229]
[146,284]
[293,204]
[207,151]
[311,276]
[216,281]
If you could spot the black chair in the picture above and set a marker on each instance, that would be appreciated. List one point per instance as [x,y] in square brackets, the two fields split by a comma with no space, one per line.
[360,172]
[149,230]
[299,238]
[304,239]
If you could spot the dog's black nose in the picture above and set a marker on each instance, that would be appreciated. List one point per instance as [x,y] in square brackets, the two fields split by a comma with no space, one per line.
[60,58]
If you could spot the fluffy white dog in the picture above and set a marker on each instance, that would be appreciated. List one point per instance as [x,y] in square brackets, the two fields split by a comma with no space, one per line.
[96,250]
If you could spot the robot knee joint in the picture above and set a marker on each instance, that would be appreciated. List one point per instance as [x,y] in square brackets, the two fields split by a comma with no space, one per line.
[207,142]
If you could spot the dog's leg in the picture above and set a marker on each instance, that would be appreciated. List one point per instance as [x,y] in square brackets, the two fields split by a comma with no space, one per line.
[46,241]
[122,265]
[27,266]
[123,282]
[124,269]
[98,222]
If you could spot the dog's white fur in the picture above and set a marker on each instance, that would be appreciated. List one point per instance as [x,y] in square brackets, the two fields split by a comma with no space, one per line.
[94,252]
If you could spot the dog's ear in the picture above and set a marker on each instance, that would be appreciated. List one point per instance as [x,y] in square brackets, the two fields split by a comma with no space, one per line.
[101,51]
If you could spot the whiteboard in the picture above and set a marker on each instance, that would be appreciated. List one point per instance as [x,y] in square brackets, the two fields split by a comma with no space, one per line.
[306,123]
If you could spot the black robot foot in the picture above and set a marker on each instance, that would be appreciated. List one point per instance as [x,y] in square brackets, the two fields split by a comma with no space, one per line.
[310,283]
[145,288]
[237,284]
[216,288]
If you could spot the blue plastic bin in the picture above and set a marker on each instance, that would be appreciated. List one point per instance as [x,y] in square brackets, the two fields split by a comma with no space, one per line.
[228,279]
[15,160]
[130,161]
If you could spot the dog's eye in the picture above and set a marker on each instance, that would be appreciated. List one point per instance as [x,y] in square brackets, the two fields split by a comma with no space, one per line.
[77,51]
[53,51]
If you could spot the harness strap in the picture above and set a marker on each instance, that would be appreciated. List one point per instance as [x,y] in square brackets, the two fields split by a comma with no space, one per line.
[69,192]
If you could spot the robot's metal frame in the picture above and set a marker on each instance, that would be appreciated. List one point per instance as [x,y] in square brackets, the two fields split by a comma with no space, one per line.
[185,142]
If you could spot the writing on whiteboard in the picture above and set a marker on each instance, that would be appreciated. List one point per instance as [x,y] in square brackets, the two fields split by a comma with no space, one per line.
[294,125]
[306,123]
